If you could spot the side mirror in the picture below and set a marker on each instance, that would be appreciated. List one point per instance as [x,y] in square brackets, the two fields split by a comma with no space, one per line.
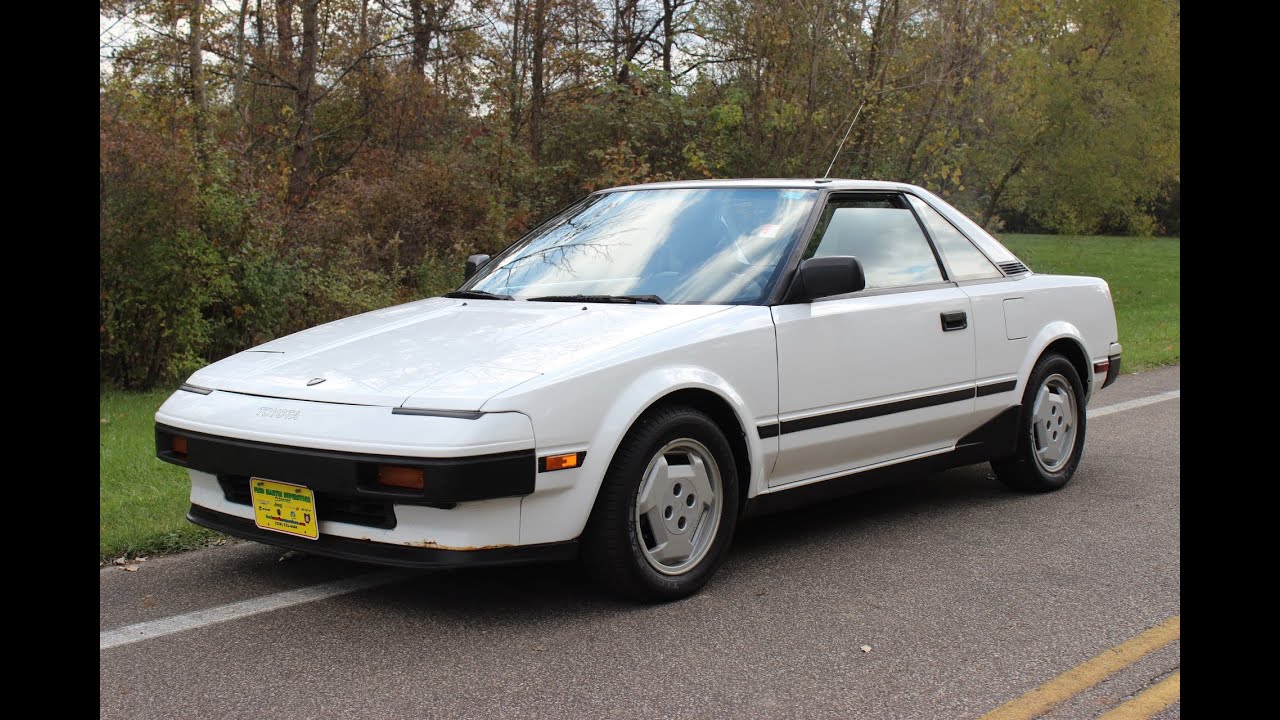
[821,277]
[473,264]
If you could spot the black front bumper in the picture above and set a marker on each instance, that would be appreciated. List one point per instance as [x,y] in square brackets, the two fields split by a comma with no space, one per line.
[353,476]
[385,553]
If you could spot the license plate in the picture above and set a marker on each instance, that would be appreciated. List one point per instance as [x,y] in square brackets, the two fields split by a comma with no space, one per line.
[285,508]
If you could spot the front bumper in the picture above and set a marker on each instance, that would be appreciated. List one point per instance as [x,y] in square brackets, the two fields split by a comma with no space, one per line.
[382,553]
[353,475]
[477,471]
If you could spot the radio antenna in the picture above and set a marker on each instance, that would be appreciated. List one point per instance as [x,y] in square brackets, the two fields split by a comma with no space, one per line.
[846,137]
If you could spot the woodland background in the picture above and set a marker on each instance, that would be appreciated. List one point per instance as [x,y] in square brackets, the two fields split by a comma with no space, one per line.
[267,165]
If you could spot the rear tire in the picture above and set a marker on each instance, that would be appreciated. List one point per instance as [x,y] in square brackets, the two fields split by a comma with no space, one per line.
[667,509]
[1051,429]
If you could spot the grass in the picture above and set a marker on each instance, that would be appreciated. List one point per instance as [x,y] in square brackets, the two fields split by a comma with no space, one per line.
[143,501]
[1145,279]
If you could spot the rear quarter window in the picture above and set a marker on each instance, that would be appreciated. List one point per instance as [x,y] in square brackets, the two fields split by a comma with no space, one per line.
[964,260]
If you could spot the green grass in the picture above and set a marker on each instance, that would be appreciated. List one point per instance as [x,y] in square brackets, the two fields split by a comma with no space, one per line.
[142,501]
[1144,275]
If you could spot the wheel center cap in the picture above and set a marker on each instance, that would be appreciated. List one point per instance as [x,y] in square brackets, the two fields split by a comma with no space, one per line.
[678,512]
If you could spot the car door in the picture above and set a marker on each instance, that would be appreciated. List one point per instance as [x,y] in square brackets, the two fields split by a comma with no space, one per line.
[880,375]
[997,314]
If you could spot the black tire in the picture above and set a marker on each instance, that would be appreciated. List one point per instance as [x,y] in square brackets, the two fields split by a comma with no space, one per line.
[1025,470]
[611,545]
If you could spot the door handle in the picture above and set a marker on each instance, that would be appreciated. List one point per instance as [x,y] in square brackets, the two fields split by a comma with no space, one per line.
[957,320]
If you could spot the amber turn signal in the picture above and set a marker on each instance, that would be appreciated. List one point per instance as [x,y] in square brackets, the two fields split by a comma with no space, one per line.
[561,462]
[179,445]
[402,477]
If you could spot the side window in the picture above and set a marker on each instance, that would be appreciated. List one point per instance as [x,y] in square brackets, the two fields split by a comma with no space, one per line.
[882,232]
[965,261]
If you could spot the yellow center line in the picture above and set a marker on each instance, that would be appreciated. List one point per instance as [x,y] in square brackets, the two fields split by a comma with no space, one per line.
[1149,701]
[1088,673]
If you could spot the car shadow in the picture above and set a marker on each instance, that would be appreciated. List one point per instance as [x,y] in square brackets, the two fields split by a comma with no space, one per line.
[528,593]
[908,496]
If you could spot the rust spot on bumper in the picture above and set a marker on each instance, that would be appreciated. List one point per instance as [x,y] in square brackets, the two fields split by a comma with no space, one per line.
[433,545]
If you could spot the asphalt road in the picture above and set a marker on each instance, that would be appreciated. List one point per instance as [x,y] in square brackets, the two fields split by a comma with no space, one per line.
[968,596]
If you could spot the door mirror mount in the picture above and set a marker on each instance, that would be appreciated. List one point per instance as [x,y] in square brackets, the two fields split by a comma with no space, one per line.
[474,263]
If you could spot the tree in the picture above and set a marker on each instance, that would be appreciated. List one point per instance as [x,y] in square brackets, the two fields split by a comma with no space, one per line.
[304,107]
[266,165]
[199,101]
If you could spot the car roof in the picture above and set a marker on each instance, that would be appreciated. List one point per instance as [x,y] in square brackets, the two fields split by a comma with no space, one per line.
[809,183]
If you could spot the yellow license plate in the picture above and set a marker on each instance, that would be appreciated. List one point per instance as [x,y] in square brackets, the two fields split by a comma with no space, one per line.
[284,508]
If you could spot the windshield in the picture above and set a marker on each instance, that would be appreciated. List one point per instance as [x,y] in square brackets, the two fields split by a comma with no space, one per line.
[701,245]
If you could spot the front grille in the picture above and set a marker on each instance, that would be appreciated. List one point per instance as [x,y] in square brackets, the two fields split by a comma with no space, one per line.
[356,511]
[1013,268]
[235,488]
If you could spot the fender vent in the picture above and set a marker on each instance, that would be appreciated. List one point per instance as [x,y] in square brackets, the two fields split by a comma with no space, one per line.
[1013,268]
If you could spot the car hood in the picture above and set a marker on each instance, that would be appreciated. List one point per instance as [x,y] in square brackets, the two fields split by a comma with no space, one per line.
[438,353]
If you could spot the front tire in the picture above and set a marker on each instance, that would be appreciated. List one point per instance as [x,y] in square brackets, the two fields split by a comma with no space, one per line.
[1051,429]
[667,509]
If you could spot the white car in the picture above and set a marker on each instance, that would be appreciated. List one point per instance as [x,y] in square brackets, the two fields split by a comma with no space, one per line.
[628,381]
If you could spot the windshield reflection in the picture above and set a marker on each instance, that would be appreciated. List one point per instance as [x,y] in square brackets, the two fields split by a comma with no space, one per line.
[703,245]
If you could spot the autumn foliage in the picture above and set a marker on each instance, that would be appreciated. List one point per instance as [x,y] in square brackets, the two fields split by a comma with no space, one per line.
[267,165]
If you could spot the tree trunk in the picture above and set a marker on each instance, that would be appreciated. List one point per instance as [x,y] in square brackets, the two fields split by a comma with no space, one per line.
[994,203]
[925,124]
[515,83]
[577,47]
[421,32]
[304,105]
[199,103]
[626,39]
[363,27]
[537,98]
[237,87]
[180,60]
[284,35]
[883,43]
[811,85]
[614,41]
[260,28]
[362,86]
[631,37]
[669,8]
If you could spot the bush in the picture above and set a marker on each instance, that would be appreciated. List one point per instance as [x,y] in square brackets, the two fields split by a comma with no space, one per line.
[158,271]
[199,261]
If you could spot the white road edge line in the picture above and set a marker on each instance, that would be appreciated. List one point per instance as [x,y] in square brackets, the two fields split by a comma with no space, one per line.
[1131,404]
[200,618]
[138,632]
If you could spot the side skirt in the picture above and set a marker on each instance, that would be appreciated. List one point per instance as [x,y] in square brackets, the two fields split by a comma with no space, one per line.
[996,438]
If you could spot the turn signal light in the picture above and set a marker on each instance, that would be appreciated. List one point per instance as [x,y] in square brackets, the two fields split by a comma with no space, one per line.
[1102,366]
[402,477]
[562,462]
[179,445]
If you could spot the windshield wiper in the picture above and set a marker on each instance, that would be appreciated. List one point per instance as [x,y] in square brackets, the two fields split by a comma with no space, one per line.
[630,299]
[477,295]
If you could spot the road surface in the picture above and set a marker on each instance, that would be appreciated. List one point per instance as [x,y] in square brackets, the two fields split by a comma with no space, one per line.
[971,598]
